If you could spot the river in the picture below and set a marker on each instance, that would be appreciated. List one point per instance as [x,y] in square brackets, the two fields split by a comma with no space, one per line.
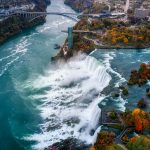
[42,103]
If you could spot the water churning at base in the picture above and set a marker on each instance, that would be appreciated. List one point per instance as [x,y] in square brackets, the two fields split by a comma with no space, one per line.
[70,95]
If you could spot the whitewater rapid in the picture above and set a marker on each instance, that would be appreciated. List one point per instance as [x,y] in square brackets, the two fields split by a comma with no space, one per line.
[70,98]
[43,104]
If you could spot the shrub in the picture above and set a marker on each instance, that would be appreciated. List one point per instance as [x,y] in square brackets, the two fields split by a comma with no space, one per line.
[104,139]
[125,91]
[142,103]
[139,143]
[113,115]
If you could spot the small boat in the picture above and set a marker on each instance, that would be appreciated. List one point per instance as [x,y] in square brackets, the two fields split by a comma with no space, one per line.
[56,46]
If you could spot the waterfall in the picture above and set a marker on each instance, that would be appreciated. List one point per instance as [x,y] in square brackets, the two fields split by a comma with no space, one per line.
[70,95]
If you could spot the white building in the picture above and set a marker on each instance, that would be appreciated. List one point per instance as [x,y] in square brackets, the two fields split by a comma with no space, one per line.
[141,13]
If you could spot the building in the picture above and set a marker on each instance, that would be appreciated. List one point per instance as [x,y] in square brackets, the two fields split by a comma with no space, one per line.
[141,13]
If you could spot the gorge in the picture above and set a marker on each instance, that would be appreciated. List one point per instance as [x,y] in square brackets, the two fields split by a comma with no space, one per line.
[45,104]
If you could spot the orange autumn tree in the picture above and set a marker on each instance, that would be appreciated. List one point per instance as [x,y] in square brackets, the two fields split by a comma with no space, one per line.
[138,123]
[144,70]
[114,41]
[146,124]
[133,139]
[125,40]
[141,119]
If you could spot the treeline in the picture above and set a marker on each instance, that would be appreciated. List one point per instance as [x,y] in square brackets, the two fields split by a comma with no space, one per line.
[14,25]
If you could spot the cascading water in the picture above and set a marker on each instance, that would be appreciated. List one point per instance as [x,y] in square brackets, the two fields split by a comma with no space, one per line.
[67,97]
[70,98]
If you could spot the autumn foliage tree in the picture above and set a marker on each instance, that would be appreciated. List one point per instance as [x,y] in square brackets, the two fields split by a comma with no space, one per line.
[104,139]
[141,119]
[139,143]
[140,76]
[125,36]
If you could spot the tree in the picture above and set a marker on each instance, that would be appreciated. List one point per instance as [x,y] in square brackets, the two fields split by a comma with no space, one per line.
[126,41]
[142,103]
[104,139]
[139,143]
[141,119]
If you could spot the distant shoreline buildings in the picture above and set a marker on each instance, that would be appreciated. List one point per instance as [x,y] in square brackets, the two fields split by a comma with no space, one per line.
[141,9]
[141,13]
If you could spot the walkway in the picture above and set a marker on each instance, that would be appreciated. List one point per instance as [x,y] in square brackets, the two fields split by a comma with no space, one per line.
[122,146]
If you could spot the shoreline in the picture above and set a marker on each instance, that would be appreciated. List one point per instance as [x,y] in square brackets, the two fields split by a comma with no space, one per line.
[14,25]
[60,54]
[126,48]
[85,44]
[17,33]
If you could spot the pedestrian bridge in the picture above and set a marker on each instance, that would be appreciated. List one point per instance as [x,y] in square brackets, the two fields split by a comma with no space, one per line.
[34,15]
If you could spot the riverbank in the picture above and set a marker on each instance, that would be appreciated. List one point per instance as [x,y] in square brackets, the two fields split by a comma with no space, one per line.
[15,24]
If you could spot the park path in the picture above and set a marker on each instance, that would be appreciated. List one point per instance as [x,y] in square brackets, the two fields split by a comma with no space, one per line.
[122,146]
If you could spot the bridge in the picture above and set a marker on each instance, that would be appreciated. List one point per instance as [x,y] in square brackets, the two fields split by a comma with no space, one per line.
[31,16]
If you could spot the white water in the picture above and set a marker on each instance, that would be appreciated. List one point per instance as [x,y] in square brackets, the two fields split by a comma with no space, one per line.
[18,51]
[70,103]
[107,59]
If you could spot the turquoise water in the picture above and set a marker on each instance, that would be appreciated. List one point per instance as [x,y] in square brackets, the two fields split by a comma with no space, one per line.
[41,103]
[24,56]
[119,64]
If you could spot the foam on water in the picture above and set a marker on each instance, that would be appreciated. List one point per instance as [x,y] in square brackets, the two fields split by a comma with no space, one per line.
[120,103]
[70,103]
[14,54]
[108,57]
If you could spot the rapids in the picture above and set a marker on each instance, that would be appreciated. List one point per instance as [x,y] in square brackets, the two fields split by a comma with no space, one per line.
[42,103]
